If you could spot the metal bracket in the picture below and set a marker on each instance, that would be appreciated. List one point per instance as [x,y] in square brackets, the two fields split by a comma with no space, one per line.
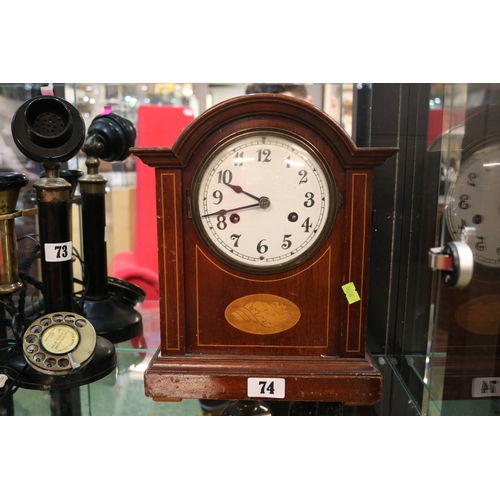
[455,260]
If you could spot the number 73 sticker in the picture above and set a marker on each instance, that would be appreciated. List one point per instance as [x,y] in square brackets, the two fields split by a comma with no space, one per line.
[266,388]
[58,252]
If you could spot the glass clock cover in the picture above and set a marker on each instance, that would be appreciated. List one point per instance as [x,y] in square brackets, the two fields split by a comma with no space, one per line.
[264,202]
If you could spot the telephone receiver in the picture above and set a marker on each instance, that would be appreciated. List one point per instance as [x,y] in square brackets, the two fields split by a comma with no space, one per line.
[115,134]
[109,302]
[49,130]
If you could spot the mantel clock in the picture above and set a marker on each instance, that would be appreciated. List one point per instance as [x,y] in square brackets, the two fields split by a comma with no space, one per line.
[264,213]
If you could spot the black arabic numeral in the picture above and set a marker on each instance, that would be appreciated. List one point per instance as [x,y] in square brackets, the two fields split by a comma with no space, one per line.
[286,242]
[480,244]
[236,238]
[306,225]
[303,178]
[218,196]
[310,200]
[237,162]
[225,177]
[472,179]
[263,155]
[463,202]
[261,248]
[221,222]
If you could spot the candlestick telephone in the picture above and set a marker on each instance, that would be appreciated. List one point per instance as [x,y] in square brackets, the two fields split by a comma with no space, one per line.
[58,341]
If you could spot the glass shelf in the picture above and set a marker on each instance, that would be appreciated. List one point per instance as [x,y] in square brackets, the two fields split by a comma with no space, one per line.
[121,393]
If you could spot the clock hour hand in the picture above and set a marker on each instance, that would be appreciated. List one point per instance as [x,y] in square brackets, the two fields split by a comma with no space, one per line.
[224,212]
[237,189]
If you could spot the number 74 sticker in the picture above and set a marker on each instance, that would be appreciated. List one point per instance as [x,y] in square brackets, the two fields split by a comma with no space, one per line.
[266,388]
[486,387]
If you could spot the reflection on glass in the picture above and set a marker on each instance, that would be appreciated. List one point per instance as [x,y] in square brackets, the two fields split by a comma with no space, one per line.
[463,361]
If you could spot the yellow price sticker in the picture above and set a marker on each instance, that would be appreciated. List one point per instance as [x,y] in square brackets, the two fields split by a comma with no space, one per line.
[351,293]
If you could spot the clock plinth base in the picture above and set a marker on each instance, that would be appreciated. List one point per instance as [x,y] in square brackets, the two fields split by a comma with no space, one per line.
[352,381]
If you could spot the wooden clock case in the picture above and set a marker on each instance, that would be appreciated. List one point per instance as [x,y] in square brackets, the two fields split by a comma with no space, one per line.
[320,353]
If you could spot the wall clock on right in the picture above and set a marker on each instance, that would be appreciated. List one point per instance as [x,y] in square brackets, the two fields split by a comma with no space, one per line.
[470,316]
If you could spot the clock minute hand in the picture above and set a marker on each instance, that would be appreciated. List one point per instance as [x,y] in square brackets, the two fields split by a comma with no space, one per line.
[224,212]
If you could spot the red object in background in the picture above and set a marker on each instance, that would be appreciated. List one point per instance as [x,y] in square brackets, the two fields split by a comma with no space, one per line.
[443,119]
[157,126]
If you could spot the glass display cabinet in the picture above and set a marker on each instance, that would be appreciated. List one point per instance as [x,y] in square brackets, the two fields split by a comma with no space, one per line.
[434,293]
[436,277]
[462,364]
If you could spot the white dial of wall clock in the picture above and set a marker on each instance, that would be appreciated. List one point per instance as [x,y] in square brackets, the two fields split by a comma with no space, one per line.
[474,202]
[264,202]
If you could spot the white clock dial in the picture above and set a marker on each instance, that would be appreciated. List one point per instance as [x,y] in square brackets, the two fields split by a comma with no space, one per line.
[264,202]
[474,202]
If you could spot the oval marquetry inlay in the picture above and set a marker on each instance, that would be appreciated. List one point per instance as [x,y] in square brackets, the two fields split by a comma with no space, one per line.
[262,314]
[480,315]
